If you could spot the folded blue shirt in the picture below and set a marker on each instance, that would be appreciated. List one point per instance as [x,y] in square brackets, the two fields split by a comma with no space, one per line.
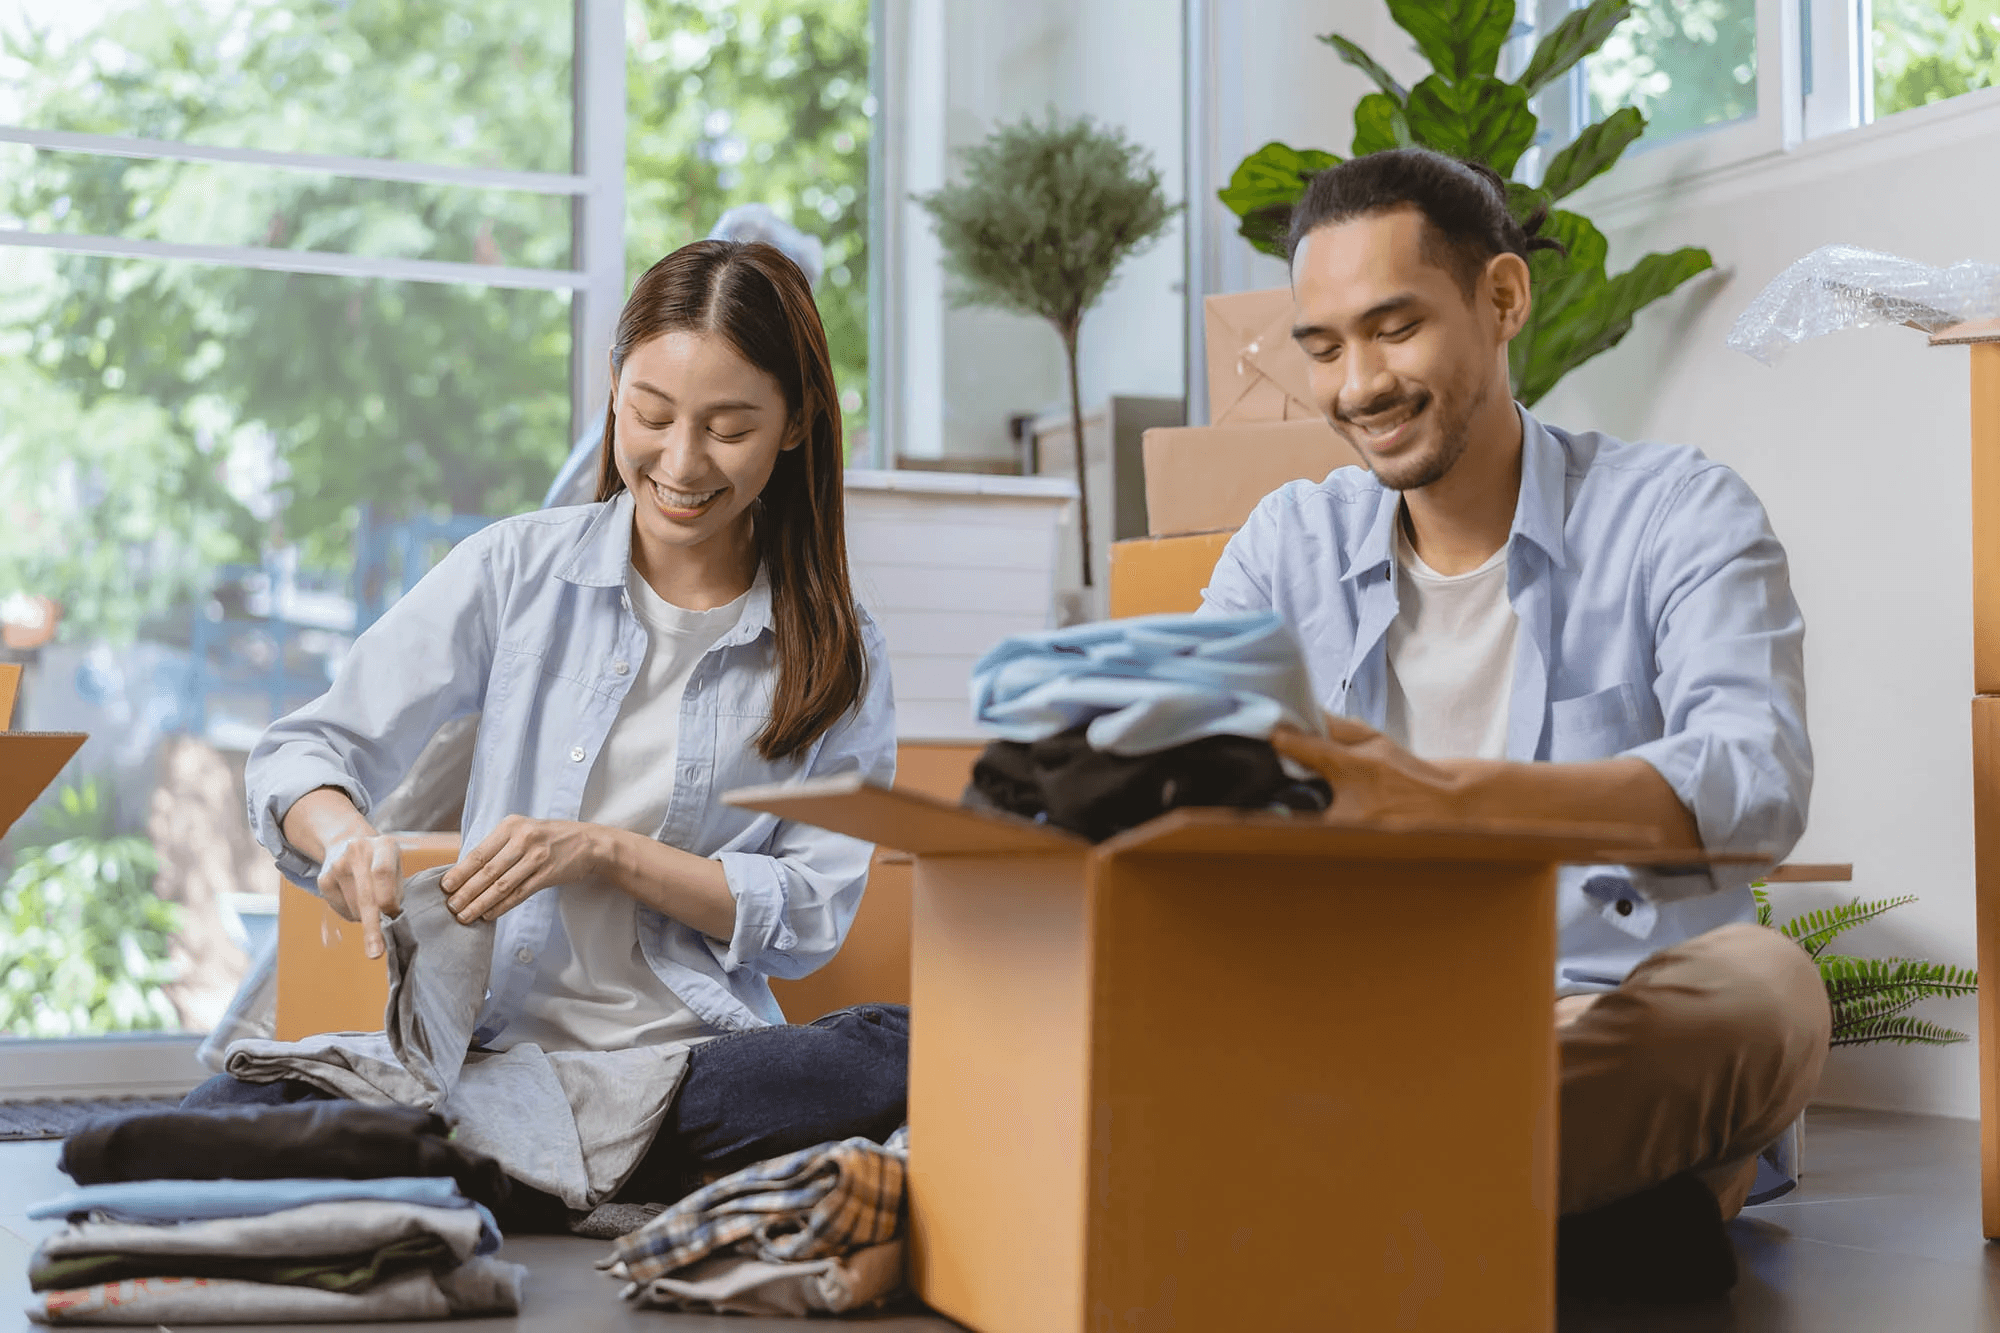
[1148,683]
[167,1201]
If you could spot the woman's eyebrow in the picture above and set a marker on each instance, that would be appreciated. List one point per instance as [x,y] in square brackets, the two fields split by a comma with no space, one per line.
[731,405]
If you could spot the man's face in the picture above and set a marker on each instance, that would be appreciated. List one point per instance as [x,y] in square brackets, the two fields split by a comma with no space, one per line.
[1401,358]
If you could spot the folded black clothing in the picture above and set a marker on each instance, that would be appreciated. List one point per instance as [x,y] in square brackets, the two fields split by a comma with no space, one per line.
[1064,780]
[338,1140]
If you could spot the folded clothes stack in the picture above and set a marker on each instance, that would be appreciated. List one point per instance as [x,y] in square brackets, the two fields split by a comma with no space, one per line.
[315,1212]
[1106,726]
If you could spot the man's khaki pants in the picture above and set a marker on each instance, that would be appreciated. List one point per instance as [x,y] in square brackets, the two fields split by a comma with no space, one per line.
[1696,1063]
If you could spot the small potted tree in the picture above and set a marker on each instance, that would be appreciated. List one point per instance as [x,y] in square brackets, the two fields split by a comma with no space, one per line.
[1038,222]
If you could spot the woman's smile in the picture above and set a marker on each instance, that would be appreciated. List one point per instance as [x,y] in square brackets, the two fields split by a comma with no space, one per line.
[677,503]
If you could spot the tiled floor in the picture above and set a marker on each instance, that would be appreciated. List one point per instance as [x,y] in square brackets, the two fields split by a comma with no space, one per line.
[1882,1238]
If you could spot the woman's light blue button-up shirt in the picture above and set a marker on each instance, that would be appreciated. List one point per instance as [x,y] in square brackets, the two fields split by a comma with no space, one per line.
[527,624]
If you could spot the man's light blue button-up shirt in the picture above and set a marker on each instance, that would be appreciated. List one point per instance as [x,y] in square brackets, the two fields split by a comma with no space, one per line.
[1656,620]
[527,623]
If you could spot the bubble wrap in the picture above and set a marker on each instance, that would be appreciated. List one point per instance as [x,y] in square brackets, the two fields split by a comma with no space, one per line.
[1844,287]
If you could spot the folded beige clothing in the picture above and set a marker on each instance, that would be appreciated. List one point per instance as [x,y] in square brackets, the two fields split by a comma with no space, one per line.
[479,1286]
[346,1226]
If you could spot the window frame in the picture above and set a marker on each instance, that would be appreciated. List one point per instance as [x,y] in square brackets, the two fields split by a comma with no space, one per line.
[1772,130]
[159,1063]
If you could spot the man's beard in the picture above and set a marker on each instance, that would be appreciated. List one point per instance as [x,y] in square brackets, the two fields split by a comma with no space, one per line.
[1451,419]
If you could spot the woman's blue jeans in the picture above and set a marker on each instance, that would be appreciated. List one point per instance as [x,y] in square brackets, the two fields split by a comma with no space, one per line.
[747,1096]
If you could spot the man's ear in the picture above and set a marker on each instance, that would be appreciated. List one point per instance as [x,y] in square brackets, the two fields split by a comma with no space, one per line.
[1509,293]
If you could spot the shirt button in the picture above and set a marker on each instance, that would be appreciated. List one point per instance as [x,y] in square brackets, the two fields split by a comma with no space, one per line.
[576,754]
[1624,907]
[620,668]
[524,954]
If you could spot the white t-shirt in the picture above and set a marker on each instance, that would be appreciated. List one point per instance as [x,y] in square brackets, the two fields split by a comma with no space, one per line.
[598,991]
[1451,658]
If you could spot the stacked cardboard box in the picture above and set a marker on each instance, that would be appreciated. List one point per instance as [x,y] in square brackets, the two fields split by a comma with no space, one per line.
[29,761]
[1203,481]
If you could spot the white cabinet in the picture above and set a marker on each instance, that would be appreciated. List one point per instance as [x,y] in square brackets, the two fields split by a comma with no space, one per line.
[949,564]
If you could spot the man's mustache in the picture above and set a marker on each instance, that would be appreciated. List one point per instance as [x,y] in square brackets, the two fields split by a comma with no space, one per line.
[1380,407]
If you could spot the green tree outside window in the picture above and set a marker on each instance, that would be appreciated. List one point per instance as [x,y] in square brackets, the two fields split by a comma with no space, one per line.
[1927,50]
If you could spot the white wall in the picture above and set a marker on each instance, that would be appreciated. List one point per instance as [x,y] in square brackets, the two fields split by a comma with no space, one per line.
[1857,444]
[1266,77]
[1118,61]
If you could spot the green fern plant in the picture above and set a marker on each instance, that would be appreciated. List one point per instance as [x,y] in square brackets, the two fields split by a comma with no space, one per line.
[1462,109]
[1871,997]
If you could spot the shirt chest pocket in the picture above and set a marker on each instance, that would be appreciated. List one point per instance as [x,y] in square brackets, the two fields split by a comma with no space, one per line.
[1596,726]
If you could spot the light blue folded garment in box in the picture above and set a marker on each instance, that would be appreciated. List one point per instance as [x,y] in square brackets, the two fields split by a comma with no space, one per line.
[1148,683]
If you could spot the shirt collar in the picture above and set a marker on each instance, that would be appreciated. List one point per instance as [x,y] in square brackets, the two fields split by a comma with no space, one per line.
[606,549]
[605,553]
[1538,513]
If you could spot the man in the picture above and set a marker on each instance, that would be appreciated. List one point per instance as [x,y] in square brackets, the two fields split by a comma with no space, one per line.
[1508,619]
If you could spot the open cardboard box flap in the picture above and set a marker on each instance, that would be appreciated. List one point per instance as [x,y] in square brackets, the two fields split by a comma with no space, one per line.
[29,760]
[926,826]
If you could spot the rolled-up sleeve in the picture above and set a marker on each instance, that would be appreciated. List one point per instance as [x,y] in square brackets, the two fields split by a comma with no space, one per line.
[1729,646]
[796,899]
[425,662]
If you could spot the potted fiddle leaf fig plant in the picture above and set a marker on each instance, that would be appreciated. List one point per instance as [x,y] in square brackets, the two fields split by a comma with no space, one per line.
[1462,108]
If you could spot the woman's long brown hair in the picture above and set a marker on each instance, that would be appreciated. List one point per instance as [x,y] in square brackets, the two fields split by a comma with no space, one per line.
[751,294]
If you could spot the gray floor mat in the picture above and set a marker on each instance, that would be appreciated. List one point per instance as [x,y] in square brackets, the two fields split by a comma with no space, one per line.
[56,1119]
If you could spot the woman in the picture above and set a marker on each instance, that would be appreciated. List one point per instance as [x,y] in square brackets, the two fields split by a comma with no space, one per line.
[631,661]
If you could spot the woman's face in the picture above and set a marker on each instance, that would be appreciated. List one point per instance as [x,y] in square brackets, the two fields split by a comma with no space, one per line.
[698,430]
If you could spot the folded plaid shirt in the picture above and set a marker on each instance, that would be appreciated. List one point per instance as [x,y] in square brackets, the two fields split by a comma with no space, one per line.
[816,1203]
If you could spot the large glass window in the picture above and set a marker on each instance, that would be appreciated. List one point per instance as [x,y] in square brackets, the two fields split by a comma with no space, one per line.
[1686,65]
[287,299]
[1923,51]
[758,101]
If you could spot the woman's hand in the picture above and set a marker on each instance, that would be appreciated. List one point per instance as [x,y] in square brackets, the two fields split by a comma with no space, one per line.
[361,877]
[517,860]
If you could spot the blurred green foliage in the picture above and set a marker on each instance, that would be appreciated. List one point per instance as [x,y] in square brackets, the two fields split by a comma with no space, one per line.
[757,101]
[83,939]
[1927,50]
[158,418]
[1683,64]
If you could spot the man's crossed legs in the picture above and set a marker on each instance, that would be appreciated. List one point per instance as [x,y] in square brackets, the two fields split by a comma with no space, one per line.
[1671,1086]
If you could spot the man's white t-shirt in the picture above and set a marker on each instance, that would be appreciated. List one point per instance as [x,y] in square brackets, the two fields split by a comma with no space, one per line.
[1451,658]
[598,991]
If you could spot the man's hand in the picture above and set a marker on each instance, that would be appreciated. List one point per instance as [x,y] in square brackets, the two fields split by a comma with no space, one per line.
[1372,776]
[361,877]
[519,859]
[1375,778]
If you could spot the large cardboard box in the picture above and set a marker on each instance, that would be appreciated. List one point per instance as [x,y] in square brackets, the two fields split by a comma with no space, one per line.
[1255,371]
[326,983]
[1202,478]
[1127,1110]
[29,760]
[1153,575]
